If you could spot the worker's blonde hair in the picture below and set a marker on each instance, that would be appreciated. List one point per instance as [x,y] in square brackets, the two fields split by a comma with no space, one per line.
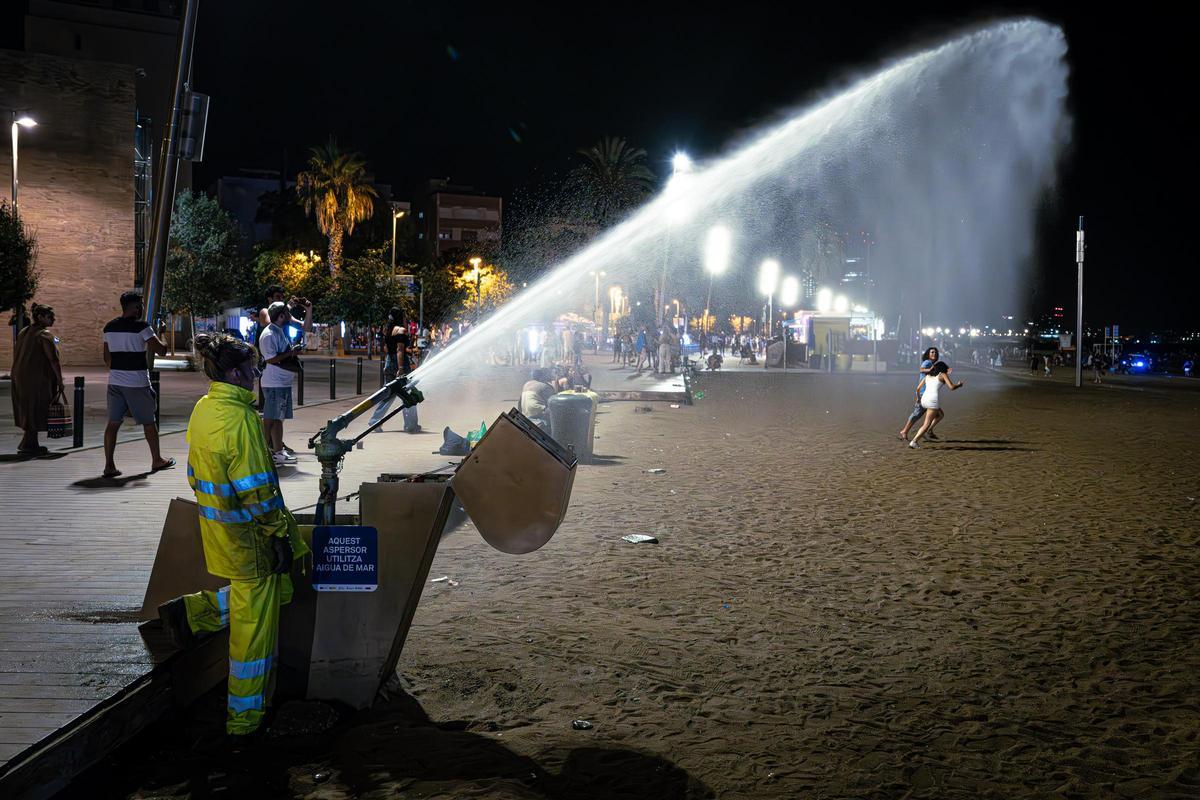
[221,353]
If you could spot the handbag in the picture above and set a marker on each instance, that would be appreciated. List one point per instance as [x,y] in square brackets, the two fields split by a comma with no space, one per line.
[58,417]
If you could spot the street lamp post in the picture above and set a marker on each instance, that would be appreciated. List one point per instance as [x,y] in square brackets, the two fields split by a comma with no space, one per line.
[475,262]
[18,121]
[395,216]
[768,282]
[716,261]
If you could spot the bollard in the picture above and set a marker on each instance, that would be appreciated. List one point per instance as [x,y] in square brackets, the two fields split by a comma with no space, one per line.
[154,384]
[358,378]
[78,416]
[333,379]
[300,386]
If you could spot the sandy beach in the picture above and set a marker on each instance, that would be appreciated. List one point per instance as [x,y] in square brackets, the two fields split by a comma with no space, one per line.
[1013,612]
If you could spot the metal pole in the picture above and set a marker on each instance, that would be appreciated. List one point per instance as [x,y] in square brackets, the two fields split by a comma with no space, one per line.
[393,243]
[1079,306]
[14,154]
[155,380]
[78,420]
[358,378]
[300,386]
[333,379]
[165,197]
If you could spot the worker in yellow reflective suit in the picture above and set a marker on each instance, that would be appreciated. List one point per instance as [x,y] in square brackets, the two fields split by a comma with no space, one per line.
[249,535]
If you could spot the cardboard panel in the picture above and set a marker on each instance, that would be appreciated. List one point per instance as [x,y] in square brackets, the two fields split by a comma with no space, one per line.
[179,566]
[516,485]
[357,636]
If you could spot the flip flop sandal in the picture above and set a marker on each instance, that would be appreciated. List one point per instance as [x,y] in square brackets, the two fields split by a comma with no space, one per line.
[170,463]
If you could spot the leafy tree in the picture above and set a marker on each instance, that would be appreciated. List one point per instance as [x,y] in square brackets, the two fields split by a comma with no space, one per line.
[442,294]
[298,272]
[205,269]
[335,189]
[612,179]
[363,290]
[18,251]
[485,289]
[291,227]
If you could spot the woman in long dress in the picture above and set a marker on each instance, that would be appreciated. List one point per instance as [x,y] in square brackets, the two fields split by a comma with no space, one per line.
[36,378]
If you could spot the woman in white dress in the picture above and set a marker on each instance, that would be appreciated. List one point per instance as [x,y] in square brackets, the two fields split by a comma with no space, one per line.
[938,375]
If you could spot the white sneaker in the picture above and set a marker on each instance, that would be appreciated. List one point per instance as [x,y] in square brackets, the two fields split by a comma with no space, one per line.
[913,445]
[282,459]
[287,451]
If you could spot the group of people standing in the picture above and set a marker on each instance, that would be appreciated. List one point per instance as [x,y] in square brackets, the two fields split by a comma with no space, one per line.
[659,350]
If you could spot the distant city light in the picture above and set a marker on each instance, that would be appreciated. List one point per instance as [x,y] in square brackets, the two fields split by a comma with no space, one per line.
[841,304]
[824,300]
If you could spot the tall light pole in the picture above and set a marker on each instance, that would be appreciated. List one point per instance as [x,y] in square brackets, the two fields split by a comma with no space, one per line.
[597,274]
[1079,306]
[768,282]
[475,262]
[789,295]
[716,260]
[681,164]
[18,121]
[395,216]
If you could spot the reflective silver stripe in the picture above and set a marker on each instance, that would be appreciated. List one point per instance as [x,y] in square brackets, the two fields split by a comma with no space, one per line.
[250,669]
[240,705]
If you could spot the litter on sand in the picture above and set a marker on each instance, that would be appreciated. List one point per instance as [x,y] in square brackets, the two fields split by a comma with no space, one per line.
[440,580]
[581,725]
[674,405]
[639,538]
[656,471]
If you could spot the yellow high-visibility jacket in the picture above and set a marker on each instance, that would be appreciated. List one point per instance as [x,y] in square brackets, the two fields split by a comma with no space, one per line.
[236,486]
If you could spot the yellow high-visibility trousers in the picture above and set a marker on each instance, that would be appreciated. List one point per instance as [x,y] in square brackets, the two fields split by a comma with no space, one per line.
[250,609]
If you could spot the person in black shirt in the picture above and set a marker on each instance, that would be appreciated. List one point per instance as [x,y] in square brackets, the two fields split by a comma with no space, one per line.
[398,362]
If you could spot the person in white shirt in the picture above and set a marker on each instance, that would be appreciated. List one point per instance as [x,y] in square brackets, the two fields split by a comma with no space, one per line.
[282,365]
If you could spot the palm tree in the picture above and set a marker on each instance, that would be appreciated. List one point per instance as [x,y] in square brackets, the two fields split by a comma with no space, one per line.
[612,178]
[336,189]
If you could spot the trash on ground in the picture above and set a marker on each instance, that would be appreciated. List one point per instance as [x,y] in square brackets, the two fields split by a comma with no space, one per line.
[320,777]
[639,538]
[698,395]
[452,582]
[674,405]
[656,471]
[581,725]
[440,580]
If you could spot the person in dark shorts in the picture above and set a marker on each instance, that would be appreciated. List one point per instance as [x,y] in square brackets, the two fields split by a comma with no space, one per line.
[128,340]
[397,362]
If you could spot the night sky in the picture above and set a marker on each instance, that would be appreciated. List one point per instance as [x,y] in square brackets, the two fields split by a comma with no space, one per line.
[500,96]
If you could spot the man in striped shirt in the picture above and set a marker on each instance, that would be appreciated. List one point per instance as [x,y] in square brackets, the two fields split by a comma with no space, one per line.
[127,341]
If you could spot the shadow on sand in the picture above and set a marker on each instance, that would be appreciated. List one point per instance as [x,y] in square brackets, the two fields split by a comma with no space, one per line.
[118,482]
[390,749]
[16,458]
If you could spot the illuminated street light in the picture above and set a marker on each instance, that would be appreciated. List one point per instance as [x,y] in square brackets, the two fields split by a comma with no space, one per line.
[789,292]
[768,282]
[824,300]
[841,304]
[716,260]
[475,262]
[681,163]
[23,121]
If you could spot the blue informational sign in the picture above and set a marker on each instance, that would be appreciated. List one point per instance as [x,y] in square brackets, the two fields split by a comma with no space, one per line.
[345,558]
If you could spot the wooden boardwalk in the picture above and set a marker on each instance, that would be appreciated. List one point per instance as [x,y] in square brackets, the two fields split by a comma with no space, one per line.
[76,554]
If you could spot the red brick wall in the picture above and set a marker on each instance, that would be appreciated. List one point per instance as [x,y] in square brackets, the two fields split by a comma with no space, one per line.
[76,189]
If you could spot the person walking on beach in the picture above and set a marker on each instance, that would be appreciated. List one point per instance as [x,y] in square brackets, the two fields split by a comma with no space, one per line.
[928,359]
[129,341]
[939,374]
[250,538]
[36,378]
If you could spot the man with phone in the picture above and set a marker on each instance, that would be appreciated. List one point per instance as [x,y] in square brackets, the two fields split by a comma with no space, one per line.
[282,364]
